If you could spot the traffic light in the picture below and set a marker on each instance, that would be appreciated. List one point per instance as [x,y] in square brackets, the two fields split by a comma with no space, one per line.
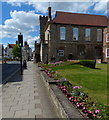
[20,40]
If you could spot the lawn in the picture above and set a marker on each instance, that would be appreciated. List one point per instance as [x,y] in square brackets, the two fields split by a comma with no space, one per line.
[93,81]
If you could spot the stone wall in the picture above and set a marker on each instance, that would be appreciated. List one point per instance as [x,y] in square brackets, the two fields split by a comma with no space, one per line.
[105,45]
[43,21]
[71,46]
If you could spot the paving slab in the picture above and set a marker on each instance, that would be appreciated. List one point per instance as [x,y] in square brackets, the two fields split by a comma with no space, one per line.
[27,97]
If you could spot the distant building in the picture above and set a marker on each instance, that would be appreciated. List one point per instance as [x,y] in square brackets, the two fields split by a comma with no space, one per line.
[8,51]
[71,36]
[26,52]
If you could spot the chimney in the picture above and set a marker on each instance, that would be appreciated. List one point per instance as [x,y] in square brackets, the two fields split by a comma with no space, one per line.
[49,13]
[25,43]
[16,42]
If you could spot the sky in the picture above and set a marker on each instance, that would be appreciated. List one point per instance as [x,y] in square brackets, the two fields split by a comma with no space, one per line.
[23,16]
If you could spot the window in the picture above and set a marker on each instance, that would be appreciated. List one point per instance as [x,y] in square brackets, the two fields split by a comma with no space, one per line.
[99,34]
[60,52]
[107,37]
[75,33]
[87,34]
[107,52]
[62,33]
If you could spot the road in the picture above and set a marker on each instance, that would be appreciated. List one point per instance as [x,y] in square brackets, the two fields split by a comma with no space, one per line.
[8,69]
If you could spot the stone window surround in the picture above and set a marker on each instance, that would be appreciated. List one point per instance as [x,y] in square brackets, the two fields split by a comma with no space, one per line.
[78,33]
[61,32]
[90,34]
[73,33]
[97,35]
[61,53]
[107,40]
[107,56]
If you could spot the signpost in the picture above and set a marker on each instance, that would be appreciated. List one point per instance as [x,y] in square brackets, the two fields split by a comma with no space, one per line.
[20,44]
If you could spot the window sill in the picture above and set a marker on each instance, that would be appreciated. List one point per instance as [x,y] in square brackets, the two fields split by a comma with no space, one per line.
[99,41]
[87,41]
[75,40]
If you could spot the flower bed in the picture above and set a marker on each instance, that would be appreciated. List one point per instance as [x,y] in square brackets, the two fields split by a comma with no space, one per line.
[77,96]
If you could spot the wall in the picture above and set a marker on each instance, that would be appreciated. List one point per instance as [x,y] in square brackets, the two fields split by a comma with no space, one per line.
[105,45]
[71,46]
[42,21]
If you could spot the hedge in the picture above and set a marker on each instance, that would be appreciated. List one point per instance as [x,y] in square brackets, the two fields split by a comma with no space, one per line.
[88,63]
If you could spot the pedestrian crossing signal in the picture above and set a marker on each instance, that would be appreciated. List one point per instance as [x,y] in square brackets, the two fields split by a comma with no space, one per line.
[20,40]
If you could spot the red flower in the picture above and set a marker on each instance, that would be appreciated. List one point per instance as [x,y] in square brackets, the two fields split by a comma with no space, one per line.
[85,111]
[75,101]
[71,99]
[96,111]
[68,95]
[64,91]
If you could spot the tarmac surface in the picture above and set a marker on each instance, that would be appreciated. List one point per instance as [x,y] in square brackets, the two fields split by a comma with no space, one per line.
[8,69]
[26,96]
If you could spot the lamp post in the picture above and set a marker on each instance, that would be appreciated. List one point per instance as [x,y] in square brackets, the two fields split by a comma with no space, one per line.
[20,44]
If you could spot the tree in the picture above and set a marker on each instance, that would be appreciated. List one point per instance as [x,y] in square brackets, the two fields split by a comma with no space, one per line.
[16,52]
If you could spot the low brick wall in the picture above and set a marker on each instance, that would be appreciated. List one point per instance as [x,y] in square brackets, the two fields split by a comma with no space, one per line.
[62,105]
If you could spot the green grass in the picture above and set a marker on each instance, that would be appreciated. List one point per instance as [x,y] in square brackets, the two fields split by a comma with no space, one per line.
[94,81]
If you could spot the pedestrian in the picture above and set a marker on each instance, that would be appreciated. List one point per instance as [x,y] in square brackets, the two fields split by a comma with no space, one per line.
[24,64]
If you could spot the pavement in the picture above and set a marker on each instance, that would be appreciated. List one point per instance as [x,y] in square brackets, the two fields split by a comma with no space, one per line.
[26,96]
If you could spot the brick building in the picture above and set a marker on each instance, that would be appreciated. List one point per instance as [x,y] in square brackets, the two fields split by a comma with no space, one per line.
[106,45]
[71,36]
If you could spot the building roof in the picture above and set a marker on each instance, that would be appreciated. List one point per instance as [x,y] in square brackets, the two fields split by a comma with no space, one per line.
[11,45]
[80,19]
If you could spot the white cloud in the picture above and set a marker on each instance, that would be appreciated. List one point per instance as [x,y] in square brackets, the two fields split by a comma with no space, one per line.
[31,40]
[101,6]
[63,5]
[20,21]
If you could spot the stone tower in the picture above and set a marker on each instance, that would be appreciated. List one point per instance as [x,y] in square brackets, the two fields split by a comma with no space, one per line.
[42,20]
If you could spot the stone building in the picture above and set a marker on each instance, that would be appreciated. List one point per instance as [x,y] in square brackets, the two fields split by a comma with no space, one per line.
[71,36]
[43,46]
[106,45]
[36,53]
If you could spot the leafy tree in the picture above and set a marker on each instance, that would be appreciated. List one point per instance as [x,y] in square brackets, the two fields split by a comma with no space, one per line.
[16,52]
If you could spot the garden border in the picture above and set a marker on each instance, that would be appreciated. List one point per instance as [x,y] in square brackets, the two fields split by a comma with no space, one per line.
[62,105]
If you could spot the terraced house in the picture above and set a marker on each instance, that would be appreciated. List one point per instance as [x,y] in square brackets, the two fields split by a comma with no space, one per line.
[71,36]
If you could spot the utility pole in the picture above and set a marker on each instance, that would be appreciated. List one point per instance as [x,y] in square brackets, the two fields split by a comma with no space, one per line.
[20,44]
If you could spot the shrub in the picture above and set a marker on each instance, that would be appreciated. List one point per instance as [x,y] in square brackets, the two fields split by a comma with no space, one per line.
[88,63]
